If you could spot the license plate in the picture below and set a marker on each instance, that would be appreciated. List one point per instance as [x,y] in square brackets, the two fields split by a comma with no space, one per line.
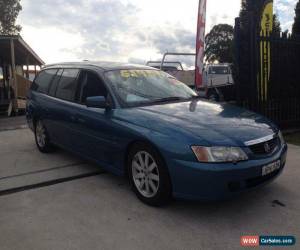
[270,168]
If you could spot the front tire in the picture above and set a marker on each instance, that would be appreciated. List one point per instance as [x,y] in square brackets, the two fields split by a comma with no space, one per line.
[148,175]
[42,138]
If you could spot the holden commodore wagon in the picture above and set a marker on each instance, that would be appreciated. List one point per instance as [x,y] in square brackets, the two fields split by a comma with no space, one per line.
[141,122]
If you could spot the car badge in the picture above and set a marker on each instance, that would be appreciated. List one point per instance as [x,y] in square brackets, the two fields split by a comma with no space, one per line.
[267,147]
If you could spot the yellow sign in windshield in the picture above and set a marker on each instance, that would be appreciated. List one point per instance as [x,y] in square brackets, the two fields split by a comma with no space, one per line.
[139,73]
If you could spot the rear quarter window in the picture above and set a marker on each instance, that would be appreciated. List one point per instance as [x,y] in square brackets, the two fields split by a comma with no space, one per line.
[43,80]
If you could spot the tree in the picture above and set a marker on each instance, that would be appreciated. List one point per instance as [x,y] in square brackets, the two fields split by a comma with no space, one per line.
[219,44]
[251,6]
[9,11]
[255,7]
[296,25]
[276,25]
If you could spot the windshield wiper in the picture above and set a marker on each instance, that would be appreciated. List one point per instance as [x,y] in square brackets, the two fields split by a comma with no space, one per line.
[169,99]
[196,97]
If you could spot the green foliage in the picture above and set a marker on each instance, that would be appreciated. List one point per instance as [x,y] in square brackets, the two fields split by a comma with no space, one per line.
[219,44]
[296,25]
[276,25]
[9,11]
[251,5]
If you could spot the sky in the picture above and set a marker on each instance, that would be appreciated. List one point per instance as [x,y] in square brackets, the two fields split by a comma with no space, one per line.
[123,30]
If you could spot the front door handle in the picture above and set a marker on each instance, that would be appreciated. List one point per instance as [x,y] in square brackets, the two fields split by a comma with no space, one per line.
[79,119]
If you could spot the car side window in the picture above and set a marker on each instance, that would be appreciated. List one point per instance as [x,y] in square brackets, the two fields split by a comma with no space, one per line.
[90,85]
[67,85]
[43,80]
[55,81]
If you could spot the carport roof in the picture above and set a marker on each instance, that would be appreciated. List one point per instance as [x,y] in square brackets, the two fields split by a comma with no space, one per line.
[23,53]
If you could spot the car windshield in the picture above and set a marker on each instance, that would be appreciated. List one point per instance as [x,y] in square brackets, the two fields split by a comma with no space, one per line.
[219,70]
[140,87]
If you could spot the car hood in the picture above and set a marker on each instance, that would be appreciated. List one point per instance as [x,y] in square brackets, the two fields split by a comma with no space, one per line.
[215,124]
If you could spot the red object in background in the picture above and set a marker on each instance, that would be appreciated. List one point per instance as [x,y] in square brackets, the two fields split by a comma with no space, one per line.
[200,43]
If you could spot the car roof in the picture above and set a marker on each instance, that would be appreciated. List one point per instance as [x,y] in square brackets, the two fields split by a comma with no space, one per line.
[105,66]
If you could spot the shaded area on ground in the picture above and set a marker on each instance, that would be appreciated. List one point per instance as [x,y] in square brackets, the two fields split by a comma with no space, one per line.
[12,123]
[23,165]
[293,138]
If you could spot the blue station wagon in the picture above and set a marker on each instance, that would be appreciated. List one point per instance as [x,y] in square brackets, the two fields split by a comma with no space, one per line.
[141,122]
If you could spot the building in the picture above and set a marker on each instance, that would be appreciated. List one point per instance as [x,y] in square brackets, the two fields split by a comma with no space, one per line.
[18,65]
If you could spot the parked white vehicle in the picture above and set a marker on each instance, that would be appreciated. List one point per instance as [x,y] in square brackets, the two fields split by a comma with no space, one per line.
[218,84]
[217,75]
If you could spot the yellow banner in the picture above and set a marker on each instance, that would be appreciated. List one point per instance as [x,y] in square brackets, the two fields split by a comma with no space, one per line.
[267,19]
[265,51]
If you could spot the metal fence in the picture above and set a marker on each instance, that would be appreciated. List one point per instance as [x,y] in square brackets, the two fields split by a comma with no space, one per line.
[270,83]
[279,78]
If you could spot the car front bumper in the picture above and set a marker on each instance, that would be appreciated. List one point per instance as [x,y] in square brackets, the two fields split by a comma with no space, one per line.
[203,181]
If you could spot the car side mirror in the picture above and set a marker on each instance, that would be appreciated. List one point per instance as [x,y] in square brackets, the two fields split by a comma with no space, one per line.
[97,102]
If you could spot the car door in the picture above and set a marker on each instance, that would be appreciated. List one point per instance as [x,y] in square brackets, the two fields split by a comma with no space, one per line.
[50,108]
[38,99]
[95,137]
[62,107]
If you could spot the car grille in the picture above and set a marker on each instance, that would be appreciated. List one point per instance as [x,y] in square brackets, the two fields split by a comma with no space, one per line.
[265,148]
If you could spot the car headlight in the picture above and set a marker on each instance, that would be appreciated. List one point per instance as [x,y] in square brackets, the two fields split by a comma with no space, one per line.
[219,154]
[281,138]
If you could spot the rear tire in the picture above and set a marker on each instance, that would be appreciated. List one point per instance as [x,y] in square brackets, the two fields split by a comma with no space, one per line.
[212,97]
[148,174]
[42,139]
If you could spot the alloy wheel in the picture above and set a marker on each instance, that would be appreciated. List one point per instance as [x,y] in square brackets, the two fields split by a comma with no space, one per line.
[145,174]
[40,134]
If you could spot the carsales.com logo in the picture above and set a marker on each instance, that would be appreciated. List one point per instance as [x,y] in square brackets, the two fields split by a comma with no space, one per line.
[255,241]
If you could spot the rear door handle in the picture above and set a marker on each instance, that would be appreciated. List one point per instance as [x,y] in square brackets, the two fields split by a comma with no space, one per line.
[73,118]
[80,120]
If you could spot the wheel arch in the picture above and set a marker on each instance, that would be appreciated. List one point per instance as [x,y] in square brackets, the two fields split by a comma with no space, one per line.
[132,144]
[34,120]
[166,186]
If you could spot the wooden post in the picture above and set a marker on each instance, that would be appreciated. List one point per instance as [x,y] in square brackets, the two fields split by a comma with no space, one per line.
[6,79]
[27,67]
[14,77]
